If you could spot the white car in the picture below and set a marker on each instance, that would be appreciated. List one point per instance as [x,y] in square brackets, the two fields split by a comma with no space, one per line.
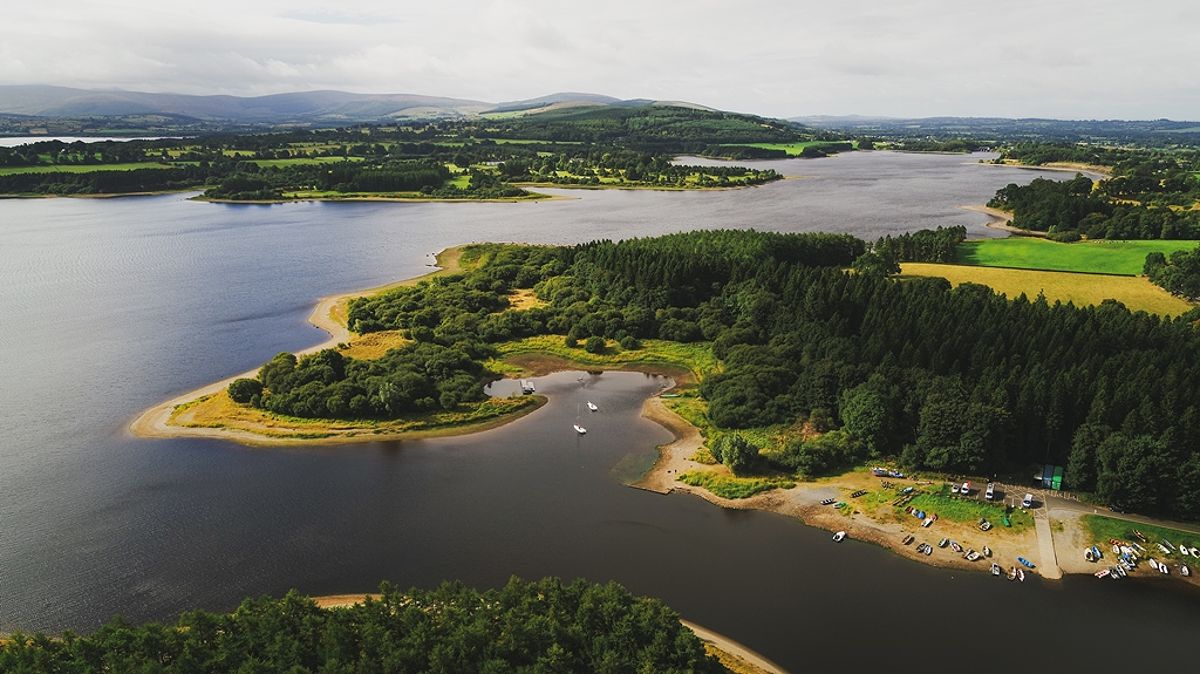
[954,488]
[1027,501]
[966,489]
[991,491]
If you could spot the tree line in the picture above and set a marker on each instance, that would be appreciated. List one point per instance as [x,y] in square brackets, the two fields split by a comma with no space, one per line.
[526,626]
[1074,207]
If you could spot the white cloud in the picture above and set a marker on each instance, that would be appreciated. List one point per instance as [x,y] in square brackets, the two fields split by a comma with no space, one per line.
[1068,58]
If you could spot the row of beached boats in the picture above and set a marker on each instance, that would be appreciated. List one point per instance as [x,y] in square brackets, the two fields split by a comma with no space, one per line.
[1129,554]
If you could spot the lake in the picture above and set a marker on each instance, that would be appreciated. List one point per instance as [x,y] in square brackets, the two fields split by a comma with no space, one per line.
[112,305]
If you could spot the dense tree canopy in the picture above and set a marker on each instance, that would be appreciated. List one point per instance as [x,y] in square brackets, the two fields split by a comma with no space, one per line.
[531,627]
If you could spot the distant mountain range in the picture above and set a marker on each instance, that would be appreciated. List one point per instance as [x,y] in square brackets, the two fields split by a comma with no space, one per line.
[304,107]
[1003,127]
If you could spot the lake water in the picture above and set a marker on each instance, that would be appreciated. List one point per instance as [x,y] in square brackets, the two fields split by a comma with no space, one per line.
[112,305]
[14,141]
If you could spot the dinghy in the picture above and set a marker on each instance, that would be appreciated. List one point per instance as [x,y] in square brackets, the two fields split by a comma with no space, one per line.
[1020,574]
[580,429]
[592,406]
[837,538]
[1184,570]
[1164,549]
[1096,553]
[828,501]
[944,542]
[1102,573]
[987,552]
[1026,562]
[1087,554]
[971,555]
[1195,551]
[1012,575]
[995,569]
[955,546]
[907,539]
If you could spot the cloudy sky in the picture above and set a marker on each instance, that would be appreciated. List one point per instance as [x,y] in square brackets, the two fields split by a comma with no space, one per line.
[1053,58]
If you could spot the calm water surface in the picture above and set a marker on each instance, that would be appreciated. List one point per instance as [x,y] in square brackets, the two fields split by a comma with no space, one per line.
[109,306]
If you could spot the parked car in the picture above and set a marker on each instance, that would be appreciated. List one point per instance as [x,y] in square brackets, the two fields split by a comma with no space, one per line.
[1027,501]
[991,491]
[954,488]
[966,489]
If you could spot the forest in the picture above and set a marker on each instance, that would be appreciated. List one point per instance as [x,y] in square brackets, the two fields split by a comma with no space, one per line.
[526,626]
[1178,274]
[1073,208]
[945,379]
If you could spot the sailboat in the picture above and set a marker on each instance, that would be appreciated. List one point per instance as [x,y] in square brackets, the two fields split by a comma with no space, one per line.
[592,406]
[579,429]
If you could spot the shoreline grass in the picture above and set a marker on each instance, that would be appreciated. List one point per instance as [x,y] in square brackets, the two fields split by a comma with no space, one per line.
[732,486]
[1102,528]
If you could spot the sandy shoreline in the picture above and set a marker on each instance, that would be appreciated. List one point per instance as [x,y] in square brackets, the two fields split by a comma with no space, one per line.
[1063,166]
[154,422]
[1001,220]
[720,641]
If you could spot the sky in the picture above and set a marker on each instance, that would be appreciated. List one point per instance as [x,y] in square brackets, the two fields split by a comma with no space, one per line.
[1130,59]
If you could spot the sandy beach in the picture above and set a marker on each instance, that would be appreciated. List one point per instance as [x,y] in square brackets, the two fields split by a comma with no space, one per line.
[998,219]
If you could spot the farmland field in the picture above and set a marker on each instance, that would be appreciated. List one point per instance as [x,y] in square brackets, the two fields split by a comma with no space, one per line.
[1137,293]
[1100,256]
[81,168]
[793,149]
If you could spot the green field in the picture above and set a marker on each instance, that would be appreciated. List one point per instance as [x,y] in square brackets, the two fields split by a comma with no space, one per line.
[301,161]
[793,149]
[959,509]
[81,168]
[1102,256]
[1136,293]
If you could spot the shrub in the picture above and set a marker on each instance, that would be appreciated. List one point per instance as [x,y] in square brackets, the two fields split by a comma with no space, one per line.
[244,390]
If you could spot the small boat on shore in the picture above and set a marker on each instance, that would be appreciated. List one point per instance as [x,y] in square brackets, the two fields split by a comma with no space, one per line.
[1184,570]
[839,536]
[971,555]
[907,539]
[944,542]
[828,501]
[987,552]
[1195,551]
[995,569]
[928,549]
[592,406]
[580,429]
[1026,562]
[1164,570]
[1020,574]
[956,547]
[1153,563]
[1012,575]
[1096,553]
[1164,549]
[1102,573]
[1087,554]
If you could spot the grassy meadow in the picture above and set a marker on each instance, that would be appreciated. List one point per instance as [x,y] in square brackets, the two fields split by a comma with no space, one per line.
[1137,293]
[1100,256]
[793,149]
[81,168]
